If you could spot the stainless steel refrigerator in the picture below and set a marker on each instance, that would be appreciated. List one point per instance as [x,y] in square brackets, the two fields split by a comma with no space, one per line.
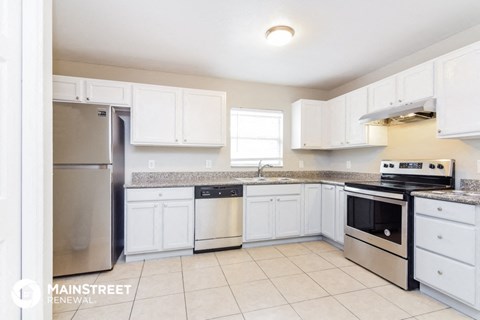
[88,177]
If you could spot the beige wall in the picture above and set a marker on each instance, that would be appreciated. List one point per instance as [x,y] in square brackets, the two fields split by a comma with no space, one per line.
[412,141]
[239,94]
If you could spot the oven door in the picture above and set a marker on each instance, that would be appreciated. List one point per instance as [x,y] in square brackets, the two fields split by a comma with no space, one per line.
[378,220]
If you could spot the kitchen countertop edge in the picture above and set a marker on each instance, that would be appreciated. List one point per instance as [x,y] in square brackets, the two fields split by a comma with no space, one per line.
[449,195]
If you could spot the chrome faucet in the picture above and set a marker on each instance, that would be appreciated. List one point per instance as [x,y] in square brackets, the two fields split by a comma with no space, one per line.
[260,168]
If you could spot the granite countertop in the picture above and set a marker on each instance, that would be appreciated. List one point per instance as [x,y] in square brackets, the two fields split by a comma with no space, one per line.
[189,179]
[469,193]
[467,197]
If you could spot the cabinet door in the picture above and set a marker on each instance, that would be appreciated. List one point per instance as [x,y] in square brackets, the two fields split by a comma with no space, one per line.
[415,83]
[307,124]
[141,225]
[108,92]
[458,94]
[67,89]
[340,214]
[355,107]
[328,211]
[337,121]
[287,216]
[313,209]
[381,94]
[177,225]
[259,213]
[204,117]
[155,115]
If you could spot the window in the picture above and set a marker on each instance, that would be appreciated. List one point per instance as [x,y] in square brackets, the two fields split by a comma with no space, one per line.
[256,135]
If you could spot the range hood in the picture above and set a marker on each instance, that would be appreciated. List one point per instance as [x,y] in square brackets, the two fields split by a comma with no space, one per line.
[410,112]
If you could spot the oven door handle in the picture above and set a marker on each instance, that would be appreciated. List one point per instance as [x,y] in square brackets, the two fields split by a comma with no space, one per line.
[375,198]
[359,192]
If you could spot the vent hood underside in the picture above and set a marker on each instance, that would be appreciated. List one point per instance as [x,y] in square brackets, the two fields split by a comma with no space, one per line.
[411,112]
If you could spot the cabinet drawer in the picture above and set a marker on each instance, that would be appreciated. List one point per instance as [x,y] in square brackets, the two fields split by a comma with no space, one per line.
[273,189]
[149,194]
[448,238]
[446,210]
[453,278]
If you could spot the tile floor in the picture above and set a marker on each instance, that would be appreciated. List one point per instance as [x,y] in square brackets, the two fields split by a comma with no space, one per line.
[310,280]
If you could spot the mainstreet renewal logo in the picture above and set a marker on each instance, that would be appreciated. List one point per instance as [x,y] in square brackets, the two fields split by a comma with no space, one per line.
[26,293]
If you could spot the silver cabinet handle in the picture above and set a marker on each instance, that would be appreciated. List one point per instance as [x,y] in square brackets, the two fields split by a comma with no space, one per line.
[88,99]
[391,103]
[156,206]
[348,142]
[160,195]
[77,98]
[399,100]
[439,131]
[165,205]
[440,237]
[271,199]
[304,144]
[439,209]
[439,272]
[328,188]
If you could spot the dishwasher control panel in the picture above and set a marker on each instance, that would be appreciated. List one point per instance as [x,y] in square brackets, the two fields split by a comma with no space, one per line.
[205,192]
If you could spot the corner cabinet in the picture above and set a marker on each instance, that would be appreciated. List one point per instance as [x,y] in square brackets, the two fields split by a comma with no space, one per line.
[342,120]
[272,212]
[334,208]
[158,220]
[82,90]
[458,94]
[169,116]
[307,116]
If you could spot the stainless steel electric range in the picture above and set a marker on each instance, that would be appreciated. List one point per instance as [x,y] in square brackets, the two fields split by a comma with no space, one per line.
[379,227]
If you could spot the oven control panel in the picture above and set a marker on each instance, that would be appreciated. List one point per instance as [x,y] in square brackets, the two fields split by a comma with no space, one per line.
[439,167]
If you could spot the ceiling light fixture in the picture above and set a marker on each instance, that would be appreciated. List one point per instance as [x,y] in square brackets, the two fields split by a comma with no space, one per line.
[279,35]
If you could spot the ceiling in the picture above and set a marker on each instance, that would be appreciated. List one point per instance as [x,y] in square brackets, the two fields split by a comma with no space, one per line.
[336,40]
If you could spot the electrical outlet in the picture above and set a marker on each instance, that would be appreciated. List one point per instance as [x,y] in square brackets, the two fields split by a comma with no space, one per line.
[208,164]
[301,164]
[151,164]
[349,164]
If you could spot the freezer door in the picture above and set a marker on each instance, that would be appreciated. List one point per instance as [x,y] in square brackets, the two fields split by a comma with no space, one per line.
[81,133]
[82,220]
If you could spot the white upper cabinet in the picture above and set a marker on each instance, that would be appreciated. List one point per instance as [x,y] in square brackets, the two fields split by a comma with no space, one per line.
[458,94]
[341,120]
[75,89]
[307,117]
[382,94]
[415,83]
[407,86]
[336,121]
[204,117]
[108,92]
[155,115]
[68,89]
[164,116]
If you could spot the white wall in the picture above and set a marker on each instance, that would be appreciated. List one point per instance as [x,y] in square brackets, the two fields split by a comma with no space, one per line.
[239,94]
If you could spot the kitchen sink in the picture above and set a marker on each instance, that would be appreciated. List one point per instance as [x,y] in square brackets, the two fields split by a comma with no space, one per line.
[265,179]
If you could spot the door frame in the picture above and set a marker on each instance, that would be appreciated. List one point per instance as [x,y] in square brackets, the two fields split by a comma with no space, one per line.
[36,247]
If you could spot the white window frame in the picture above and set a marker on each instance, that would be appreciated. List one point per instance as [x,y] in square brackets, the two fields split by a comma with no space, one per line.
[253,161]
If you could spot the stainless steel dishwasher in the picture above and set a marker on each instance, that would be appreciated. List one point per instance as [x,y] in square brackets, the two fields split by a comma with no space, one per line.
[218,217]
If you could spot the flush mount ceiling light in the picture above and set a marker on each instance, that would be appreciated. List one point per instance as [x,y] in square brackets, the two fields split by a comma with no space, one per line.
[279,35]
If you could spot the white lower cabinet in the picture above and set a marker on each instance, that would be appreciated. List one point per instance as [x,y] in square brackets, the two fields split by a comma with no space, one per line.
[446,245]
[340,214]
[272,212]
[312,209]
[158,219]
[328,211]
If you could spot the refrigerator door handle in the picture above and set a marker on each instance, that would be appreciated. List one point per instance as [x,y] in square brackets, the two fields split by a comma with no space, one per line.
[83,166]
